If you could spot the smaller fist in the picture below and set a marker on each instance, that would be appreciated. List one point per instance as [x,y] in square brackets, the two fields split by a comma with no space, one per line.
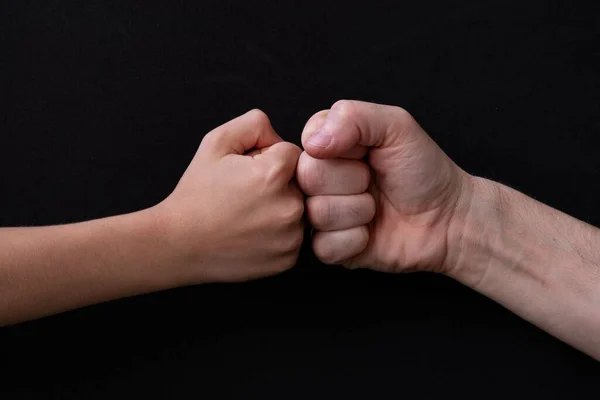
[236,213]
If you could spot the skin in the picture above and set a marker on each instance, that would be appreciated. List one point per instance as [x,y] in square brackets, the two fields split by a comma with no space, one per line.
[381,195]
[421,212]
[413,193]
[189,238]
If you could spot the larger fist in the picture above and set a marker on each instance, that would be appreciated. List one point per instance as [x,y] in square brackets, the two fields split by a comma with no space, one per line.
[382,194]
[236,213]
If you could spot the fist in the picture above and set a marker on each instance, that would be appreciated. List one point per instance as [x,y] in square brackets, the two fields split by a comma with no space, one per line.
[382,194]
[339,205]
[236,213]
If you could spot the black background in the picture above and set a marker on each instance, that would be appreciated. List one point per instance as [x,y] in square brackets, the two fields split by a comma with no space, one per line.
[105,102]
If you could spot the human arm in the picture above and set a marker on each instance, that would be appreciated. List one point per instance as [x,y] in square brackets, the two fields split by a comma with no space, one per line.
[234,215]
[46,270]
[430,215]
[536,261]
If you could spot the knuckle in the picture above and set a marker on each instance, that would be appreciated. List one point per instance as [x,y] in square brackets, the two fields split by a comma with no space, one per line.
[293,212]
[275,171]
[259,117]
[345,108]
[298,210]
[293,152]
[296,239]
[284,161]
[402,120]
[288,153]
[402,114]
[212,138]
[310,174]
[258,174]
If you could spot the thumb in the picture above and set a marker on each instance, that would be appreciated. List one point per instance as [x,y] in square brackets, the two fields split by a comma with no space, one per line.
[351,125]
[250,131]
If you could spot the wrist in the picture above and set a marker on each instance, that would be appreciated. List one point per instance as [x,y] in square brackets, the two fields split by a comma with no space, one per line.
[145,232]
[473,229]
[183,245]
[149,229]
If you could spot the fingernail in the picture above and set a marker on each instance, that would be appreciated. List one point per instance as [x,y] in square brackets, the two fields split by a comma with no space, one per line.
[320,139]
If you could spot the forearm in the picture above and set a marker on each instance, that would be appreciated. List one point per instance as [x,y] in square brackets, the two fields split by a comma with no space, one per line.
[47,270]
[538,262]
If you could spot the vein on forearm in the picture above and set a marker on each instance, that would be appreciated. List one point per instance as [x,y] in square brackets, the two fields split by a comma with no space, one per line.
[537,261]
